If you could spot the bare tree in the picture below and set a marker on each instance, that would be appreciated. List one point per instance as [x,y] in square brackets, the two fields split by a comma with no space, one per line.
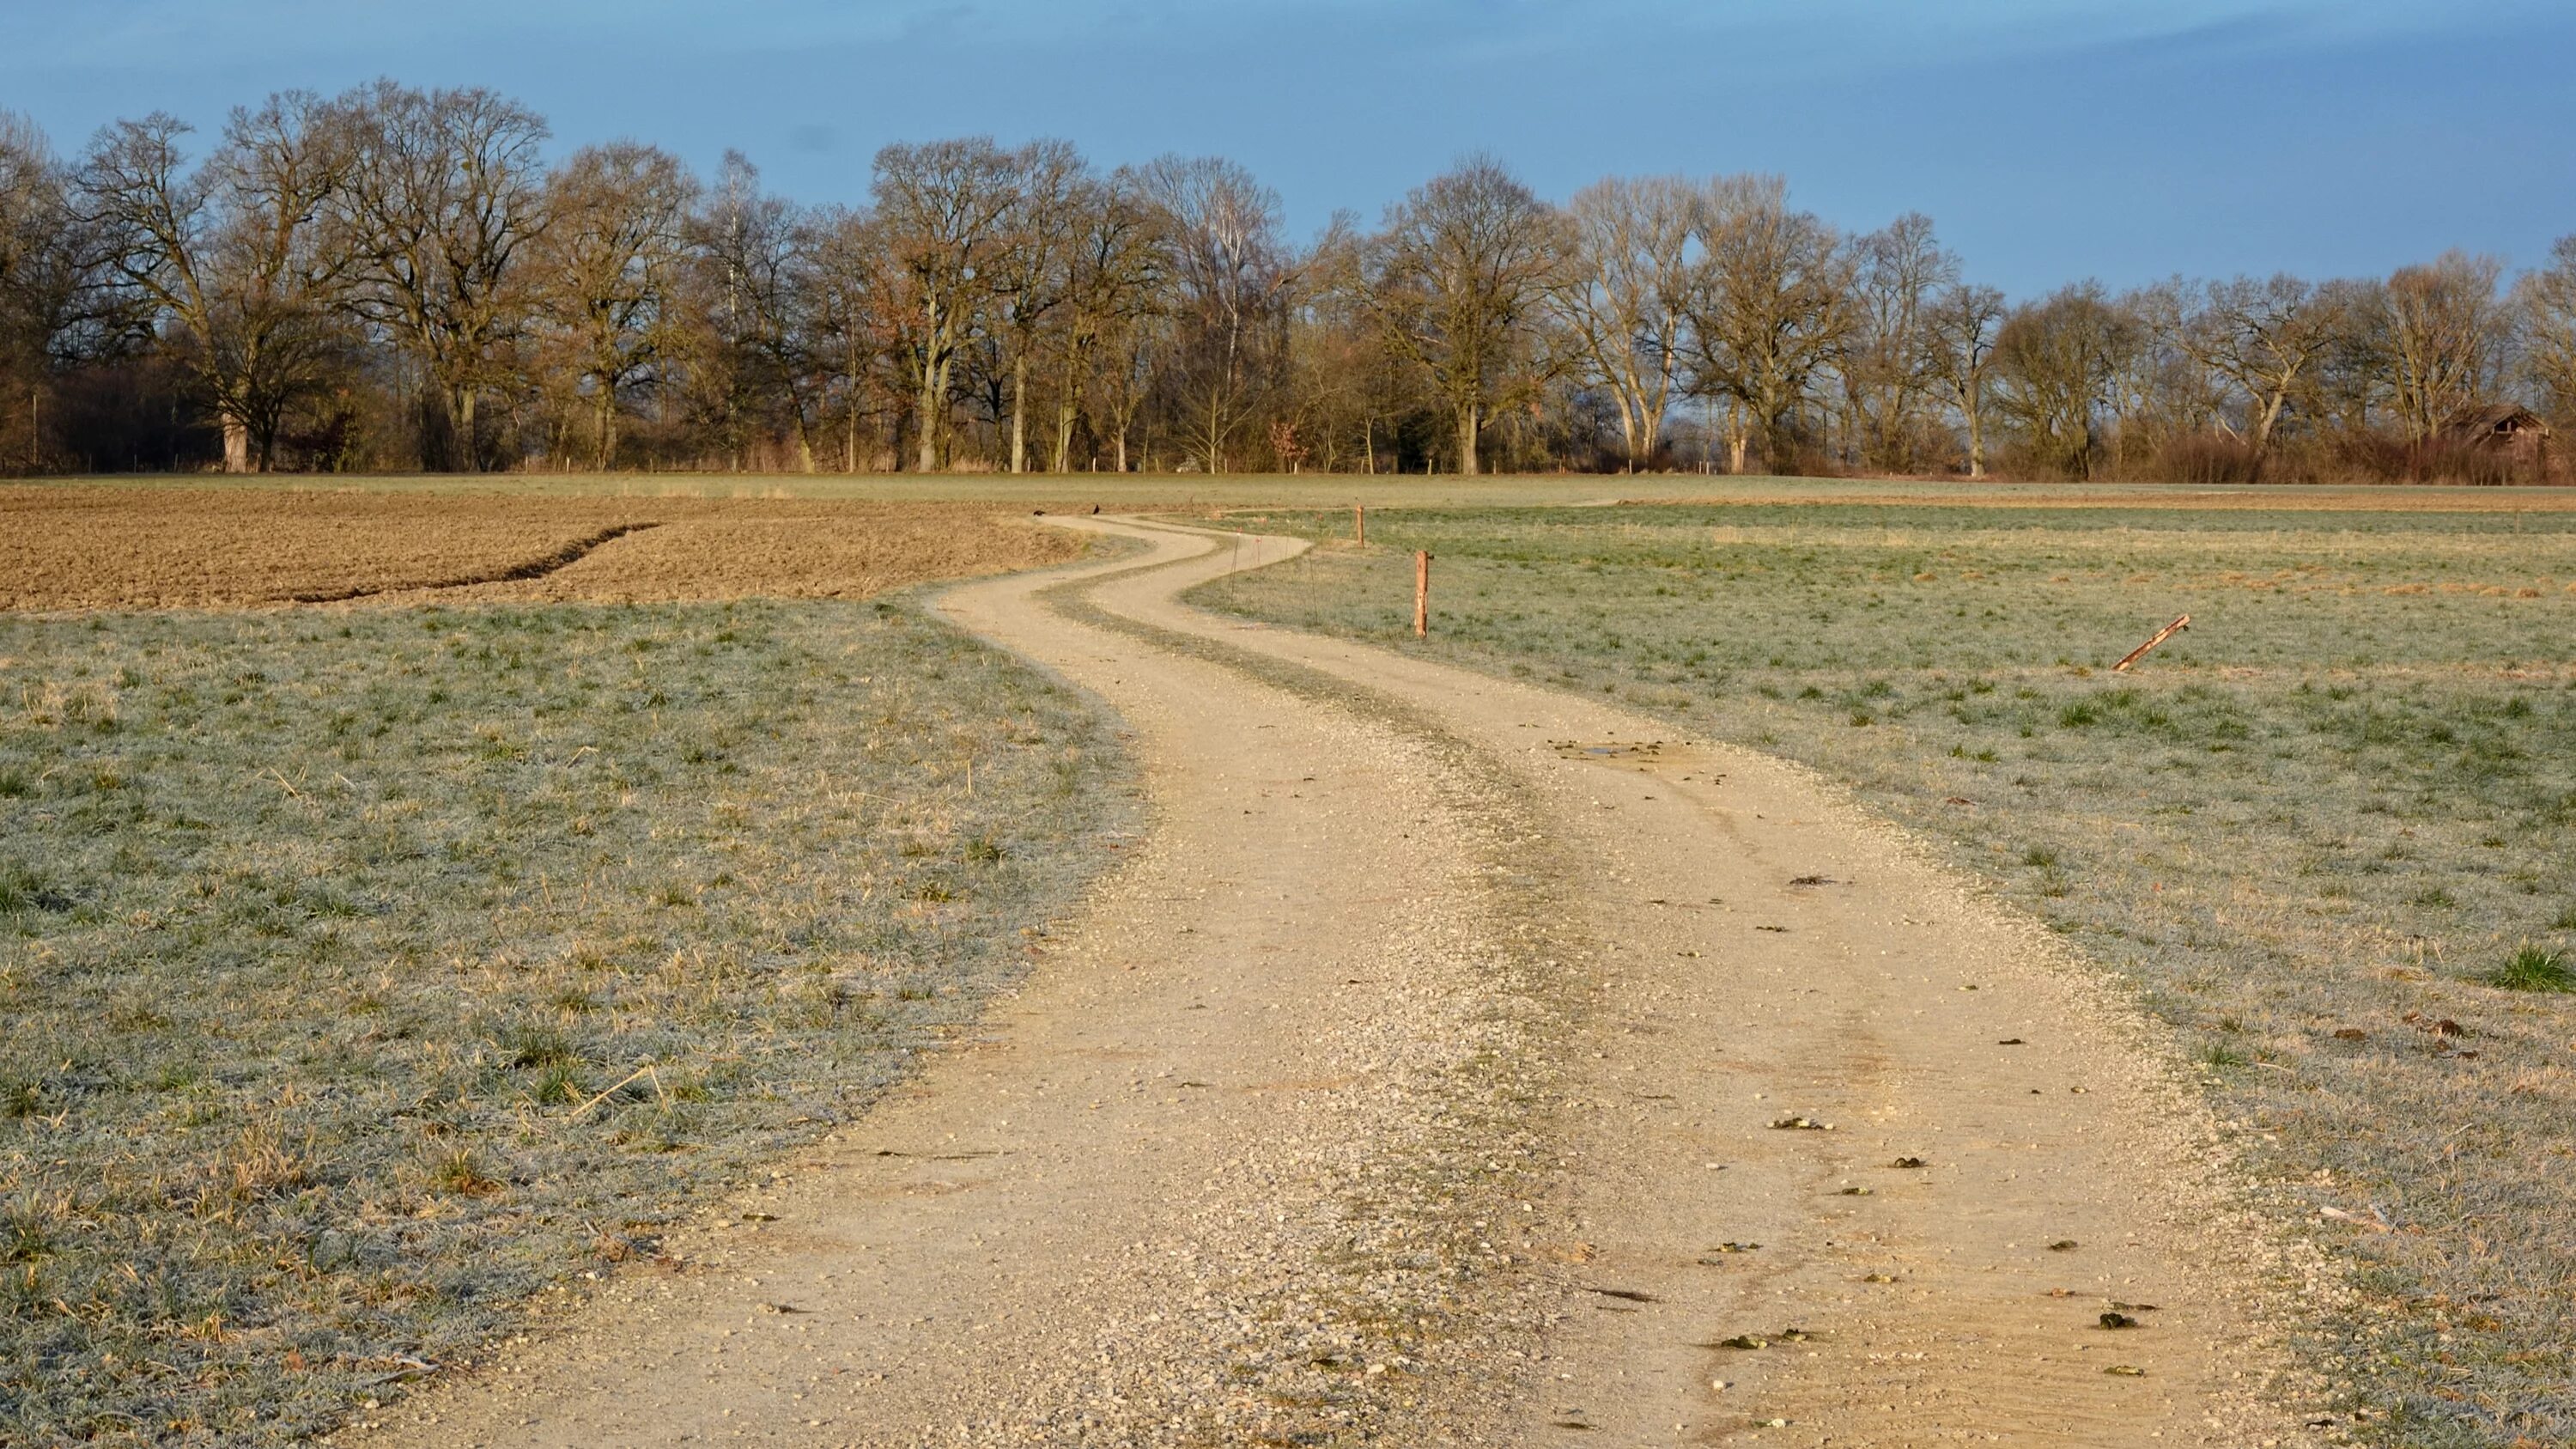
[852,295]
[1619,297]
[31,199]
[607,270]
[42,275]
[2347,389]
[1032,274]
[1959,343]
[1125,364]
[750,372]
[2157,392]
[942,206]
[2444,337]
[2264,338]
[2546,300]
[1113,280]
[1230,277]
[280,169]
[1457,276]
[2053,366]
[1769,303]
[1886,360]
[230,253]
[446,192]
[347,283]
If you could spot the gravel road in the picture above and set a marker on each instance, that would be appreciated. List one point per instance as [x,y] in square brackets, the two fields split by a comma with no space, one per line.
[1457,1062]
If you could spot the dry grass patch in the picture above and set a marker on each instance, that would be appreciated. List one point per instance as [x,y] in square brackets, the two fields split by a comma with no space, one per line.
[367,970]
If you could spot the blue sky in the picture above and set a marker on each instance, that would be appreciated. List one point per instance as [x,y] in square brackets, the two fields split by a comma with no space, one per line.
[2049,141]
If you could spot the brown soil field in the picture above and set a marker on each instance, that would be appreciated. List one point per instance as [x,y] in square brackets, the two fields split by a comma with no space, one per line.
[800,550]
[93,548]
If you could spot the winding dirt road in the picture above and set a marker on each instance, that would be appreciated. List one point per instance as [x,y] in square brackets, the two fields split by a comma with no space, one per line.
[1457,1062]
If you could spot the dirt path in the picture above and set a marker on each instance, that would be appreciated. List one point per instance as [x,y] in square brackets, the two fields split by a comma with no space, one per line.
[1417,1083]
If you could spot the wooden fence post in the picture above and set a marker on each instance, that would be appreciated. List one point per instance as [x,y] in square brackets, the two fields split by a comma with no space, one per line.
[1421,593]
[2167,632]
[1359,524]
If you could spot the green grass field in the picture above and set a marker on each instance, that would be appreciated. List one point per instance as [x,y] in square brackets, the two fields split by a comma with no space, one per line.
[367,971]
[2329,833]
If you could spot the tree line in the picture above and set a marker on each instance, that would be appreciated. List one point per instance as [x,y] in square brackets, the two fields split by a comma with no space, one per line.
[397,278]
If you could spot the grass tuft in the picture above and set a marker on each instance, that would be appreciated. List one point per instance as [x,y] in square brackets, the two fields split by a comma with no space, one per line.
[2533,969]
[21,889]
[538,1046]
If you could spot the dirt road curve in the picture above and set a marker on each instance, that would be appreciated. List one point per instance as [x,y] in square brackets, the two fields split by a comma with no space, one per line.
[1421,1080]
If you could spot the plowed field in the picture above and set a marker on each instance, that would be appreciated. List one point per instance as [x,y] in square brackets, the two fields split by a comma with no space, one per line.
[119,547]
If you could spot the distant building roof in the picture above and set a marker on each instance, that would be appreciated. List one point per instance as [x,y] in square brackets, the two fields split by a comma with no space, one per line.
[2493,420]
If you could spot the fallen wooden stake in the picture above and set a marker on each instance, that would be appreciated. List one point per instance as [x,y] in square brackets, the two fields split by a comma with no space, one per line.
[1421,593]
[2167,632]
[645,1070]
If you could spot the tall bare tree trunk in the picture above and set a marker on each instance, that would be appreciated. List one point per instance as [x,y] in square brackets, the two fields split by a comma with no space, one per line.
[1019,410]
[236,446]
[1467,429]
[2272,406]
[932,396]
[934,392]
[469,458]
[1068,408]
